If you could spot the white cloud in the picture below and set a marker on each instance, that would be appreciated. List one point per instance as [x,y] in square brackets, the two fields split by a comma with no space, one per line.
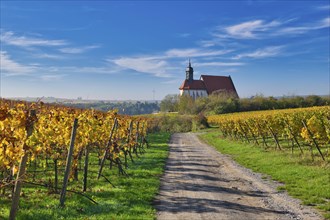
[184,35]
[13,68]
[194,52]
[207,43]
[159,65]
[154,66]
[52,77]
[249,29]
[10,67]
[93,70]
[77,50]
[257,29]
[324,23]
[69,70]
[22,41]
[323,7]
[219,64]
[262,53]
[49,56]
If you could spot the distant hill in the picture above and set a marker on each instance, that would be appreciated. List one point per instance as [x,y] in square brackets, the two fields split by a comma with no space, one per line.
[78,100]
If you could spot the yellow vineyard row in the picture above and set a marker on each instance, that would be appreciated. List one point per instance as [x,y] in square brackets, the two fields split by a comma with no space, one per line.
[43,131]
[312,125]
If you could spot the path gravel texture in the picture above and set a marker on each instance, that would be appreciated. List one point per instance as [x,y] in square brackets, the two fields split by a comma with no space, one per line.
[201,183]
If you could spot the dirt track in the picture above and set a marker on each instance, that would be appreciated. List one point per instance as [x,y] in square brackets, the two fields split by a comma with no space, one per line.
[200,183]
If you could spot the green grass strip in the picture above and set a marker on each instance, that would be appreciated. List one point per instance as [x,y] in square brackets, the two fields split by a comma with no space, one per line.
[310,183]
[131,199]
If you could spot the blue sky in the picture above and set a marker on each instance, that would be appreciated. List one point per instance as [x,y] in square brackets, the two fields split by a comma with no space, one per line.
[119,50]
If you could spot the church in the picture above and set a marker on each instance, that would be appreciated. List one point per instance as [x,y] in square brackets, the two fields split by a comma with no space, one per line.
[206,85]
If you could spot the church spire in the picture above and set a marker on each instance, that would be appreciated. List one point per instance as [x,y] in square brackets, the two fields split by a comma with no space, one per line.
[189,72]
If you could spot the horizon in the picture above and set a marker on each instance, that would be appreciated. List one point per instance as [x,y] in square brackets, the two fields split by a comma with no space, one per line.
[109,50]
[46,99]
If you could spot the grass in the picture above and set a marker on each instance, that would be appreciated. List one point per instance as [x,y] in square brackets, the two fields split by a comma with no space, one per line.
[130,199]
[309,182]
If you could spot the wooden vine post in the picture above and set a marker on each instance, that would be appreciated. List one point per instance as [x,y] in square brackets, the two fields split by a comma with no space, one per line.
[293,136]
[85,168]
[22,167]
[136,138]
[68,161]
[129,138]
[141,149]
[107,148]
[126,151]
[314,141]
[275,138]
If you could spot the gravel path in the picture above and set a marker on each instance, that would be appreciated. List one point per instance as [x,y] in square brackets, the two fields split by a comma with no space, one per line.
[201,183]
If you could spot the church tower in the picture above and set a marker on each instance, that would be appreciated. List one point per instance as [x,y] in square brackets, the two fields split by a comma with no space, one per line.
[206,85]
[189,73]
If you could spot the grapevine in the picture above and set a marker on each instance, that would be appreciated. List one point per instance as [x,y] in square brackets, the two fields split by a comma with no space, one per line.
[43,139]
[301,127]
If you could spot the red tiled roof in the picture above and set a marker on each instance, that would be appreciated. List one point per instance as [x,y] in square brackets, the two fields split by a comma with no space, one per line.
[194,84]
[214,83]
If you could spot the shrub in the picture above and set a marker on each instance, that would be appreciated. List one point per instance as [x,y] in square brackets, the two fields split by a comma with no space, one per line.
[177,123]
[199,122]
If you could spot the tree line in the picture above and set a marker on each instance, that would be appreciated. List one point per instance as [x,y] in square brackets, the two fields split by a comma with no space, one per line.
[221,103]
[124,108]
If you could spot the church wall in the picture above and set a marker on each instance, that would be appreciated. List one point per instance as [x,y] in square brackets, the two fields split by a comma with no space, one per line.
[194,93]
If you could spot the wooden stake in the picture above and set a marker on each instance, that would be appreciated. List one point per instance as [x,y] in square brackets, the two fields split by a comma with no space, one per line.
[314,141]
[275,138]
[68,161]
[294,137]
[85,169]
[22,168]
[107,148]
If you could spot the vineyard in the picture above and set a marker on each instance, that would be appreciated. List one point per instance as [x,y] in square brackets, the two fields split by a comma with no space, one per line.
[68,151]
[296,130]
[50,146]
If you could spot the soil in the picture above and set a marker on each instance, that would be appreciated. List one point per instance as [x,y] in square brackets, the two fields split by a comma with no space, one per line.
[201,183]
